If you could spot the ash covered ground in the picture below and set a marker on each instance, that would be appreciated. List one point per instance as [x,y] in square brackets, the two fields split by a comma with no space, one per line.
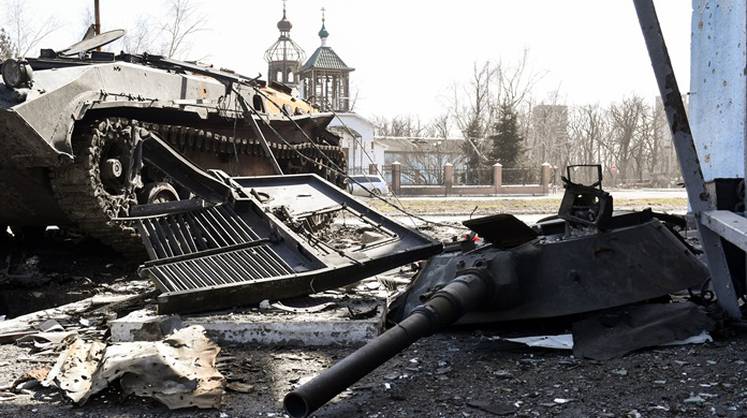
[460,373]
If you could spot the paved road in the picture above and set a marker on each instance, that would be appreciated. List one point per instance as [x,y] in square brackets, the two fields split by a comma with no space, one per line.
[617,194]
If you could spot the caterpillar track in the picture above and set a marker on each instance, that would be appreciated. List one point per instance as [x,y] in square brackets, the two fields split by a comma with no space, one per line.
[91,199]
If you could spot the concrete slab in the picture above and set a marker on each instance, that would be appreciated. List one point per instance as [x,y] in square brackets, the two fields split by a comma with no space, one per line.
[143,325]
[320,320]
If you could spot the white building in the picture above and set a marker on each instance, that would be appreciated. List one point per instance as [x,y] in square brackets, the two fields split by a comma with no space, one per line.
[357,135]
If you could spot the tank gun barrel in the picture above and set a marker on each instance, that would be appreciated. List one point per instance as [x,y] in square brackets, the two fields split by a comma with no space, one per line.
[465,293]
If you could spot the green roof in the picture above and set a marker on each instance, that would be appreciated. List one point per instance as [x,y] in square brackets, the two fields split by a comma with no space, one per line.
[326,59]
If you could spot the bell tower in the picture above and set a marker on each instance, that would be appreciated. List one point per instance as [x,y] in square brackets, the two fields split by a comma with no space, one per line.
[284,57]
[326,77]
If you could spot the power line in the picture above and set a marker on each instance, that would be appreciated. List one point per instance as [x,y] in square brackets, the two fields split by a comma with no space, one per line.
[334,167]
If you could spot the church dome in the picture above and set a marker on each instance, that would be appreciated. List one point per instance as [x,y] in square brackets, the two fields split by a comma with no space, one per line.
[284,49]
[323,32]
[284,25]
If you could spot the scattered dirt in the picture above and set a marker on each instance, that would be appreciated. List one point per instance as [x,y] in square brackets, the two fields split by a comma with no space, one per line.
[461,373]
[443,376]
[55,271]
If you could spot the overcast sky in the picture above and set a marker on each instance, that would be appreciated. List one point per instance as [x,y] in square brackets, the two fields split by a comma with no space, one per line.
[407,53]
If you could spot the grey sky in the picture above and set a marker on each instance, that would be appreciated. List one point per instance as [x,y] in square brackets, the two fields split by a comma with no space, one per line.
[408,53]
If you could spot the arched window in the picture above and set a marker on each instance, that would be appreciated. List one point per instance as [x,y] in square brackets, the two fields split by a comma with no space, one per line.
[290,77]
[279,76]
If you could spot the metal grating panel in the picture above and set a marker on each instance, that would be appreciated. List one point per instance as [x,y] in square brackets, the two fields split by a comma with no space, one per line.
[239,265]
[206,247]
[178,234]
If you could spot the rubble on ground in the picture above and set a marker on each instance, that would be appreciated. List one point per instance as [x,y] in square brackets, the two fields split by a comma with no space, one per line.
[118,341]
[179,371]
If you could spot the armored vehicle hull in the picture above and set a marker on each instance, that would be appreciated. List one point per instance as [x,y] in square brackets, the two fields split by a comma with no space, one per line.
[70,134]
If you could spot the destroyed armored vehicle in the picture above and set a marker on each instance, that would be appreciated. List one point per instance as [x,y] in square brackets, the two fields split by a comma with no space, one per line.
[72,121]
[585,259]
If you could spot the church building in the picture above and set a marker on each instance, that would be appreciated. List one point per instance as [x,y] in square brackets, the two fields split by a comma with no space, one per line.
[324,80]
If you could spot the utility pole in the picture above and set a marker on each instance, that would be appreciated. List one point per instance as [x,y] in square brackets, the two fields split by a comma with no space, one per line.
[97,20]
[97,16]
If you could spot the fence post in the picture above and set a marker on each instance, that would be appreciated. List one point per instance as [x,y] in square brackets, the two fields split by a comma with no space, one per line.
[396,177]
[373,169]
[448,178]
[545,176]
[497,177]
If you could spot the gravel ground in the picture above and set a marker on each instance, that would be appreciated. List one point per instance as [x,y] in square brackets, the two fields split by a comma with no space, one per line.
[448,376]
[462,373]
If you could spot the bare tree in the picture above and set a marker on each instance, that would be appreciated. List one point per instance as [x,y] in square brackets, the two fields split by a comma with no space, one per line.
[140,36]
[623,143]
[475,107]
[472,104]
[439,127]
[184,21]
[24,31]
[401,126]
[472,110]
[6,47]
[655,162]
[381,125]
[515,83]
[424,163]
[588,130]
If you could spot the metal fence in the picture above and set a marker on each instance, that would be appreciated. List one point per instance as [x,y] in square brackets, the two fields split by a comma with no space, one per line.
[649,180]
[473,176]
[418,176]
[521,175]
[528,179]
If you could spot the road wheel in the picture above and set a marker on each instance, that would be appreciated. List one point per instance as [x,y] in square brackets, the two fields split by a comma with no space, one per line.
[160,192]
[102,182]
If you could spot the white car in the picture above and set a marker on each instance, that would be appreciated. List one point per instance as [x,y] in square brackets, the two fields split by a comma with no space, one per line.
[372,182]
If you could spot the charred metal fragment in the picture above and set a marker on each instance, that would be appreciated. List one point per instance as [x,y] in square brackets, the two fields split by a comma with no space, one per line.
[616,332]
[574,268]
[585,204]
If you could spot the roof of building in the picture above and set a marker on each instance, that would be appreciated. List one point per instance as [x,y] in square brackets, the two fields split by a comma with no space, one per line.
[420,145]
[345,130]
[325,58]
